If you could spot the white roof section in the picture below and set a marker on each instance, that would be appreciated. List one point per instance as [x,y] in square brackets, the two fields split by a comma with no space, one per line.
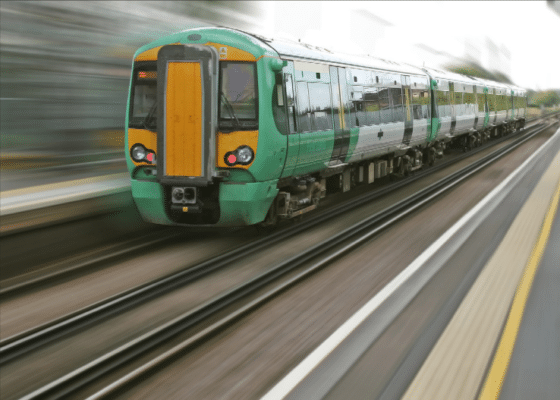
[441,74]
[291,50]
[452,76]
[295,50]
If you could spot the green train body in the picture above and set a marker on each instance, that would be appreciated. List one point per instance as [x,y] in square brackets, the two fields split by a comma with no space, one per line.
[224,128]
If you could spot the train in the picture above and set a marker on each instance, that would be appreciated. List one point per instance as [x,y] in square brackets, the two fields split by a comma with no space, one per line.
[227,128]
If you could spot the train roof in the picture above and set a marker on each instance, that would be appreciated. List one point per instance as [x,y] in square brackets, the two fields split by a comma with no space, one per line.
[451,76]
[288,49]
[300,51]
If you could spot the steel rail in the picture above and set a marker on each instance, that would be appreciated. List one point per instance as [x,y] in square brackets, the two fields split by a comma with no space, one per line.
[92,263]
[24,342]
[341,243]
[37,281]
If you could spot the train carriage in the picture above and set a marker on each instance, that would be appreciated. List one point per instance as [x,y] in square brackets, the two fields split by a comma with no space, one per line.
[519,106]
[499,105]
[225,128]
[460,107]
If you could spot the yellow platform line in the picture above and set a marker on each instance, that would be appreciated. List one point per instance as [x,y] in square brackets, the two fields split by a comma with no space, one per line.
[496,375]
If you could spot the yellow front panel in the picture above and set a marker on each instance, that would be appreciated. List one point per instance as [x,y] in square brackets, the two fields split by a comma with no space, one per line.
[231,141]
[150,54]
[183,120]
[144,137]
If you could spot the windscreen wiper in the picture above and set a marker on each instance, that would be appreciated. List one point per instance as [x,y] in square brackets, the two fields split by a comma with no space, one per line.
[230,110]
[150,116]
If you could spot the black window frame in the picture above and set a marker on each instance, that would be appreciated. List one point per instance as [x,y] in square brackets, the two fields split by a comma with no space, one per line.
[254,122]
[141,66]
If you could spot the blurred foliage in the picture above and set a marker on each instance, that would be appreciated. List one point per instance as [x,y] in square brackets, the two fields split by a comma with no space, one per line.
[546,98]
[65,65]
[474,69]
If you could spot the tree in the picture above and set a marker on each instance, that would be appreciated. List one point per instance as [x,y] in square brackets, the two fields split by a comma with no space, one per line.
[546,98]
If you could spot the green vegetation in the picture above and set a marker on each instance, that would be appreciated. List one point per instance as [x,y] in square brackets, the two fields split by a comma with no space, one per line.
[476,70]
[547,98]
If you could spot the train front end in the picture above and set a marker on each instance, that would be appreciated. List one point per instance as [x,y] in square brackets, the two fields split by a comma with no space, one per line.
[192,137]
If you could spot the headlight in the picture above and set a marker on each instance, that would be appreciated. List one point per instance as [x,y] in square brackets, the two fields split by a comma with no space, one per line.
[141,154]
[138,152]
[244,155]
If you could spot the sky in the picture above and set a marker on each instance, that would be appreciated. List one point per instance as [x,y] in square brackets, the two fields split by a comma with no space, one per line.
[519,38]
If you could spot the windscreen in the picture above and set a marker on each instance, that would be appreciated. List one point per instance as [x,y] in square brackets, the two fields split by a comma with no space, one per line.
[238,95]
[143,105]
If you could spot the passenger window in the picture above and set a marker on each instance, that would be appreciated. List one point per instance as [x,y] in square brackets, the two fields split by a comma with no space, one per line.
[395,95]
[320,106]
[278,110]
[360,113]
[420,102]
[303,109]
[371,97]
[385,114]
[290,103]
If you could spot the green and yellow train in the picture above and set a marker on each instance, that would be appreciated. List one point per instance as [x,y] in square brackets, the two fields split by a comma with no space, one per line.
[225,128]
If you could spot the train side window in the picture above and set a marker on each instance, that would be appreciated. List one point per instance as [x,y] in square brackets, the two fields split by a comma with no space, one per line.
[371,97]
[385,114]
[290,102]
[278,103]
[320,106]
[420,102]
[360,113]
[279,95]
[458,101]
[395,94]
[303,109]
[443,103]
[372,112]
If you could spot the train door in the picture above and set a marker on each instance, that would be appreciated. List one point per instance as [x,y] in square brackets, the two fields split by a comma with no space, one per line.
[408,122]
[341,115]
[293,135]
[475,94]
[186,117]
[453,113]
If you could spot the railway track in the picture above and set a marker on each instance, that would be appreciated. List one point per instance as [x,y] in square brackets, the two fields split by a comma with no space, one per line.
[58,273]
[22,343]
[304,264]
[28,340]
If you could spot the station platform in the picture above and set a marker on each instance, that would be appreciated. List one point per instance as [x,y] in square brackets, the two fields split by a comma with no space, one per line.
[34,197]
[39,205]
[494,337]
[534,367]
[502,341]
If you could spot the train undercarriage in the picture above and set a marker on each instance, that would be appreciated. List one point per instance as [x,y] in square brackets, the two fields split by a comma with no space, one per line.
[299,195]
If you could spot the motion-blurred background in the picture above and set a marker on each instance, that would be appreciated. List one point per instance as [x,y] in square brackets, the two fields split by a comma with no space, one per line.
[65,65]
